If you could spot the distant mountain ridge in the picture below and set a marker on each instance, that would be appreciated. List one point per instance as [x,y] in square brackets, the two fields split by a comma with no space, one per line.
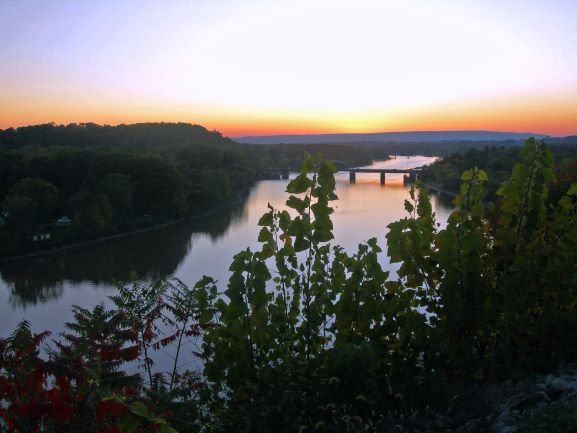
[410,136]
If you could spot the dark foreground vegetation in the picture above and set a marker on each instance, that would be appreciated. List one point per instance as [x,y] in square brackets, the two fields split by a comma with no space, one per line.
[66,184]
[498,161]
[309,338]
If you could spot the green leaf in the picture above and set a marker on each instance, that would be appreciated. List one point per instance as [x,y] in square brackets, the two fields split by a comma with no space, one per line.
[296,203]
[127,425]
[394,241]
[307,163]
[139,408]
[301,244]
[265,220]
[297,227]
[267,251]
[329,166]
[164,428]
[372,242]
[482,176]
[299,184]
[323,235]
[566,202]
[284,220]
[467,175]
[265,235]
[204,281]
[408,206]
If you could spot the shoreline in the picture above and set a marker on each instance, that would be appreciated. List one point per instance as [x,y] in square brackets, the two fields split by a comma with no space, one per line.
[55,250]
[439,189]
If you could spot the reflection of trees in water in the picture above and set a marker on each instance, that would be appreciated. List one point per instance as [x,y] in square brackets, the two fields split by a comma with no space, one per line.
[440,199]
[24,291]
[152,254]
[215,226]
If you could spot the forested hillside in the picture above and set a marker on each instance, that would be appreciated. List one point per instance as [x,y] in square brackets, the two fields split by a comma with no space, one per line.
[88,135]
[70,183]
[498,161]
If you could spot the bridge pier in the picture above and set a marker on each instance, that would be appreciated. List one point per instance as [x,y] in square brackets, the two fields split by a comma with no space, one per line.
[352,177]
[409,178]
[382,178]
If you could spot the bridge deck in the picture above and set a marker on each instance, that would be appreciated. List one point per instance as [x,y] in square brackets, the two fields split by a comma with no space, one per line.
[383,170]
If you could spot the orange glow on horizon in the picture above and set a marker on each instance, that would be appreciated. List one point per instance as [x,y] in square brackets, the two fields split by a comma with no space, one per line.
[554,115]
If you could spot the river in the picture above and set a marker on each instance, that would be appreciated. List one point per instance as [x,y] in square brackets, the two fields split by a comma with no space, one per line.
[43,289]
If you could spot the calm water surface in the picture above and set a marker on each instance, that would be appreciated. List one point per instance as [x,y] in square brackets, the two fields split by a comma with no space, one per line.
[43,289]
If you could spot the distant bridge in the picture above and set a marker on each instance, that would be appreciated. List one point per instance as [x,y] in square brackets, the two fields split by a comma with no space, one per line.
[411,174]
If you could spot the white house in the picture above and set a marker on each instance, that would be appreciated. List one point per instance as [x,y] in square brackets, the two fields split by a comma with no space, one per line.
[63,221]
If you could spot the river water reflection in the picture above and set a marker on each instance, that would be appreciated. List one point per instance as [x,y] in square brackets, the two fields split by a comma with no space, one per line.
[42,289]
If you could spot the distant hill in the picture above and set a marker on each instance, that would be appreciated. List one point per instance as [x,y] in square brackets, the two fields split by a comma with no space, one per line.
[383,137]
[86,135]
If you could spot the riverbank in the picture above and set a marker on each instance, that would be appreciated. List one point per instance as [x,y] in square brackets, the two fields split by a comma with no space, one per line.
[436,187]
[66,247]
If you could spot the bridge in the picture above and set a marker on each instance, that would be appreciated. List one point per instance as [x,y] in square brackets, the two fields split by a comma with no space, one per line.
[411,174]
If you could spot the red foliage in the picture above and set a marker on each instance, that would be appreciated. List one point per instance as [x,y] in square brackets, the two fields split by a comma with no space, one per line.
[129,392]
[81,386]
[165,341]
[6,388]
[51,392]
[108,409]
[125,354]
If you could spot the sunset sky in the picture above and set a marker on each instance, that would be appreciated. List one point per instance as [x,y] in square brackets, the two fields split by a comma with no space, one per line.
[292,66]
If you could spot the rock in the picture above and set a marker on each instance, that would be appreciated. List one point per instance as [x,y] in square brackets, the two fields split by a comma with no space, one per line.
[502,421]
[572,368]
[572,381]
[465,428]
[571,395]
[492,392]
[548,379]
[536,398]
[558,386]
[474,425]
[521,400]
[515,400]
